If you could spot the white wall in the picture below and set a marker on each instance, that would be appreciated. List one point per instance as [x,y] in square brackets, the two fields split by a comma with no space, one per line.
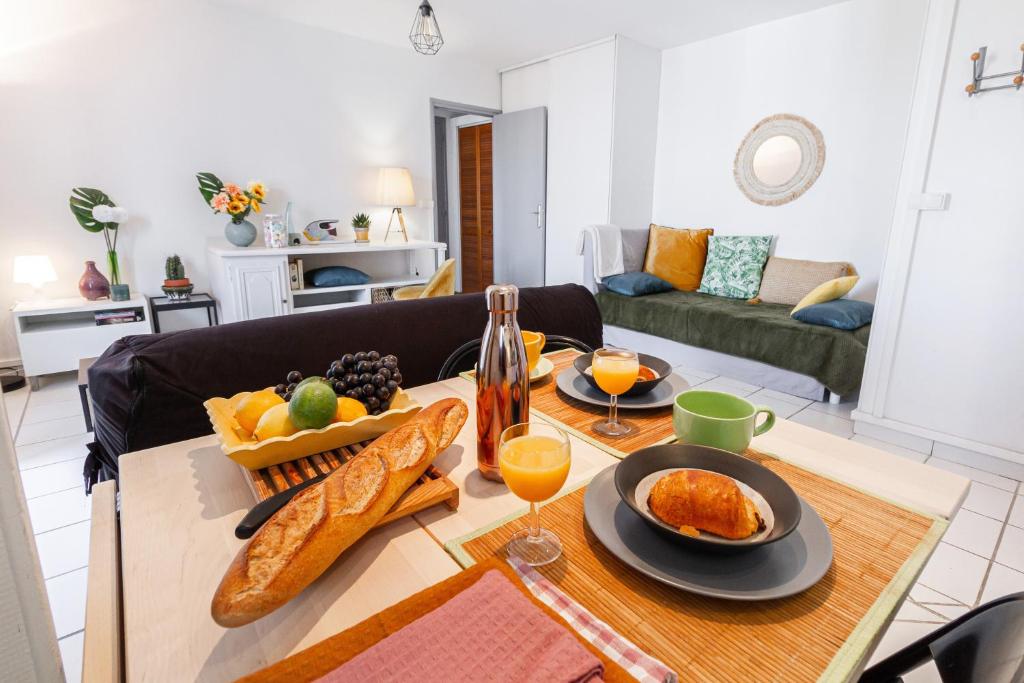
[602,103]
[849,69]
[945,357]
[140,103]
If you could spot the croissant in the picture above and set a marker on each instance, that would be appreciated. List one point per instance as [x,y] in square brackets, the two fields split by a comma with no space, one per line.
[693,500]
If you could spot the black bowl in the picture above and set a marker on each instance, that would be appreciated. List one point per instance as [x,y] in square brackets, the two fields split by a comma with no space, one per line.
[780,497]
[582,364]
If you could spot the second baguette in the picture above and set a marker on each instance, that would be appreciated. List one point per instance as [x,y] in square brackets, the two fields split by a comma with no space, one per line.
[308,534]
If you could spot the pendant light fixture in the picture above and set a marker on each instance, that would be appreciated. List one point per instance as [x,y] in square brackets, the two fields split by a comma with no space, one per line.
[425,34]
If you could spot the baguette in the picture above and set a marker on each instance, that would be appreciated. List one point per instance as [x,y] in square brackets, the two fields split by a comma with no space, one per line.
[307,535]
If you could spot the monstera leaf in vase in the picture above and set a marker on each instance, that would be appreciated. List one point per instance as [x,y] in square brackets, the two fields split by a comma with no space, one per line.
[96,212]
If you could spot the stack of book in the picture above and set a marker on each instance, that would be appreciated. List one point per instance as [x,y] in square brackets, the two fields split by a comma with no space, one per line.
[124,315]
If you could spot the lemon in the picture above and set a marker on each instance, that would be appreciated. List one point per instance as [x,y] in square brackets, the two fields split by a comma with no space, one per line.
[275,422]
[349,409]
[251,408]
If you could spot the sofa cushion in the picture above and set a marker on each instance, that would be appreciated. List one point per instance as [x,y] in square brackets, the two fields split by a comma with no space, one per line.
[734,265]
[764,333]
[827,291]
[336,276]
[842,314]
[677,255]
[636,284]
[787,280]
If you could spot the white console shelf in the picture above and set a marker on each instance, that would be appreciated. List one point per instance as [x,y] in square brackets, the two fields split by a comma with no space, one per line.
[252,282]
[54,334]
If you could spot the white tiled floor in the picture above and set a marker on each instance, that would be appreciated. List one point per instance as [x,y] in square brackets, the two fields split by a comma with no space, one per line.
[50,438]
[981,556]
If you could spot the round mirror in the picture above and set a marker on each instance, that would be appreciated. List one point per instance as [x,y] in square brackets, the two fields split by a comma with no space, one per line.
[779,159]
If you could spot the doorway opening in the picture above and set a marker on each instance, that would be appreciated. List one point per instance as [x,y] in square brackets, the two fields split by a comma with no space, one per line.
[463,190]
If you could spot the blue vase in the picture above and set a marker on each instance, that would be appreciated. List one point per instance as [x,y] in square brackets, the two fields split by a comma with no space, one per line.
[240,234]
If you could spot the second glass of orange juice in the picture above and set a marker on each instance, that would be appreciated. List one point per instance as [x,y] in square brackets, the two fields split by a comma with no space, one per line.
[534,460]
[615,371]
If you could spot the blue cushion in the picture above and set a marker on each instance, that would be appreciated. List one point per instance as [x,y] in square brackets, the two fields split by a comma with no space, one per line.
[336,276]
[842,314]
[636,284]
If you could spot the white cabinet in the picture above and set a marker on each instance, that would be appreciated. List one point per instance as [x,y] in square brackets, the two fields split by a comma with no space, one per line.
[260,287]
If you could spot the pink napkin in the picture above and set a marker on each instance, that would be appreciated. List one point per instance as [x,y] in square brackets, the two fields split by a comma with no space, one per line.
[488,632]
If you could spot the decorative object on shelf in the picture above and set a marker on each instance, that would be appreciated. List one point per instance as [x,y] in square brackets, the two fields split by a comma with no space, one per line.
[231,199]
[978,58]
[425,34]
[96,212]
[321,230]
[361,226]
[176,286]
[294,238]
[394,190]
[35,270]
[275,232]
[93,285]
[779,159]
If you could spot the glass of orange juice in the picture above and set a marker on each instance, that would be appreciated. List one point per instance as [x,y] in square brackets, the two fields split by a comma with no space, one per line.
[615,371]
[534,461]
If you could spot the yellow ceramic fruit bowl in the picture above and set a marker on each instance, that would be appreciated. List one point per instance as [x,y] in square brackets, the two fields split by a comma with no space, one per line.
[238,445]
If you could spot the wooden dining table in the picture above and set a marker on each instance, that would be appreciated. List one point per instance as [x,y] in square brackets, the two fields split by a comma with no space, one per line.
[180,504]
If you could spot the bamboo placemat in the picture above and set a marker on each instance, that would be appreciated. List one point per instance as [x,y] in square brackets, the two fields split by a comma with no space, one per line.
[576,417]
[822,633]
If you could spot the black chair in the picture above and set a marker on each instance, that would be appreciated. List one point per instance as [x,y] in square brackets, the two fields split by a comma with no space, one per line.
[986,644]
[464,357]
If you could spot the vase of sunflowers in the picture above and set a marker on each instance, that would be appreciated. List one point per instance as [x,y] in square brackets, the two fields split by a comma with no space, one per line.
[231,199]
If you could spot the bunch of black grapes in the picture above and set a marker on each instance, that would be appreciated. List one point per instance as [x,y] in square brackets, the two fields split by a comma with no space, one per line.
[366,376]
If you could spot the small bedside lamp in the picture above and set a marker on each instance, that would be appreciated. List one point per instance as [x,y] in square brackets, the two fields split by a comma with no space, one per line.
[394,189]
[35,270]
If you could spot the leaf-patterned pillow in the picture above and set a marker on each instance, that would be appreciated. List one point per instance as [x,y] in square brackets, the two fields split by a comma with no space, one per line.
[735,265]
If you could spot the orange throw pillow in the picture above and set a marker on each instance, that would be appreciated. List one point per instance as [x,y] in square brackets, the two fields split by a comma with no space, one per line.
[677,256]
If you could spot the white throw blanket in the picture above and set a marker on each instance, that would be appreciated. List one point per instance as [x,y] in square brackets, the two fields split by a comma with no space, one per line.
[607,241]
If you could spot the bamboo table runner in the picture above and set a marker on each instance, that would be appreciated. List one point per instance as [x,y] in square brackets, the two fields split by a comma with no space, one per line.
[653,426]
[824,632]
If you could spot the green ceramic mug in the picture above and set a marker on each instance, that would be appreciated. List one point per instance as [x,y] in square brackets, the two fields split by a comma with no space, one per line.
[717,419]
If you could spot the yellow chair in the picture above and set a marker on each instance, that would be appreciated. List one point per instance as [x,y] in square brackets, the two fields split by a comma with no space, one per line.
[441,284]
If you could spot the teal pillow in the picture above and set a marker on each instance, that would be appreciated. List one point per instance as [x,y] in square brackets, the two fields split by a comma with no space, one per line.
[336,276]
[842,314]
[735,265]
[636,284]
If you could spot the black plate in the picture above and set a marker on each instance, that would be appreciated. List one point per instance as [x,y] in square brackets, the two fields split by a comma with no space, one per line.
[780,497]
[658,365]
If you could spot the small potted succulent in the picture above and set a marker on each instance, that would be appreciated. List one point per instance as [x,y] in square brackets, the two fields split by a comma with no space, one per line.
[361,224]
[177,287]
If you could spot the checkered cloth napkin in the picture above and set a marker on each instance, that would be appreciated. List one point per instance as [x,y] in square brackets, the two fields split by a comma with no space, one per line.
[639,664]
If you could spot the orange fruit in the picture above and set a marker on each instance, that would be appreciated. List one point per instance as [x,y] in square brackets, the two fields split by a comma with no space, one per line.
[251,408]
[349,409]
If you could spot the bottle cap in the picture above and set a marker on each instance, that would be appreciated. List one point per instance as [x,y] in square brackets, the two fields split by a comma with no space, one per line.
[502,298]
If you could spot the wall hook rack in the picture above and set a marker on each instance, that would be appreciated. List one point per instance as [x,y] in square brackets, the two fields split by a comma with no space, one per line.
[978,58]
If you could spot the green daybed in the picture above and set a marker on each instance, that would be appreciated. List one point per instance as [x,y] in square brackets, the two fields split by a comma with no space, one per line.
[760,332]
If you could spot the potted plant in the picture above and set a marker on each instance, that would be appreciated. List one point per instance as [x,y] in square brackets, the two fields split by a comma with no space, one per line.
[96,212]
[176,286]
[233,200]
[361,224]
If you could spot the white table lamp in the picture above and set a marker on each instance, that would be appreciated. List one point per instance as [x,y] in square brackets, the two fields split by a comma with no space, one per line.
[35,270]
[394,189]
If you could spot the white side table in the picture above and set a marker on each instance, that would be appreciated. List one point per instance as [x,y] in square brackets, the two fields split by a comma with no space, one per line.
[54,334]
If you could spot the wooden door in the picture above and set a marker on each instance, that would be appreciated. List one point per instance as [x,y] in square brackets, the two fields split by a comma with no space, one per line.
[476,206]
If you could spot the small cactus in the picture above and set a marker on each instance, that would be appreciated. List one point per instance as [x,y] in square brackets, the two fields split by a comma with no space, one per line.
[360,220]
[175,269]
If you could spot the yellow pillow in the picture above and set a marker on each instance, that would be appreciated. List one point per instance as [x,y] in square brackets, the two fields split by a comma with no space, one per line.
[677,256]
[827,291]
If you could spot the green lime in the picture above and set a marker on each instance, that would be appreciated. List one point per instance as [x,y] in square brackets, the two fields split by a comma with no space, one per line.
[313,404]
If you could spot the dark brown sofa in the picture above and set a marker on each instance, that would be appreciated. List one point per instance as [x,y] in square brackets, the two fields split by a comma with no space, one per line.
[149,390]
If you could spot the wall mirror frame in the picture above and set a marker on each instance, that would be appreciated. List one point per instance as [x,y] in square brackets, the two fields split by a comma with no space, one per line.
[779,159]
